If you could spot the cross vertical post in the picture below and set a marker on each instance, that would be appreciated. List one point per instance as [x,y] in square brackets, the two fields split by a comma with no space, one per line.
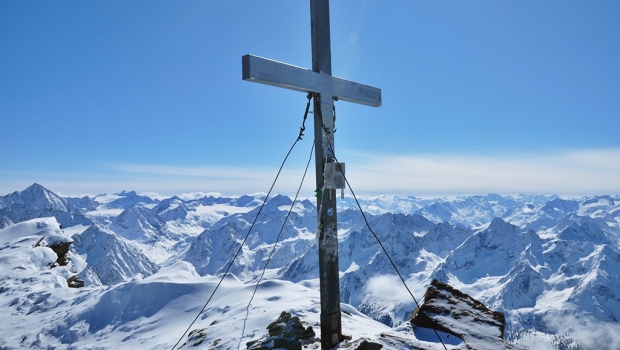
[325,89]
[329,272]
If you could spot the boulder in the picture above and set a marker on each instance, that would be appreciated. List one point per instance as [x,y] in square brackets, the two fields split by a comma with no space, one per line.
[61,249]
[197,336]
[287,332]
[451,311]
[75,282]
[366,345]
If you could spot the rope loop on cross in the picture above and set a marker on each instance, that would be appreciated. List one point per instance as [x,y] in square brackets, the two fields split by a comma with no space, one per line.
[335,98]
[303,123]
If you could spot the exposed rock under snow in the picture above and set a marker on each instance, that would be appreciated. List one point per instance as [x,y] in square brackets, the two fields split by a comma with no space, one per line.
[449,310]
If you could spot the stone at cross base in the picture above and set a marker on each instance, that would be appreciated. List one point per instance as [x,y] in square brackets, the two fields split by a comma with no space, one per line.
[287,332]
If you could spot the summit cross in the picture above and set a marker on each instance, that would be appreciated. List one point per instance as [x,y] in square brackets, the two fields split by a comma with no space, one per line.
[326,89]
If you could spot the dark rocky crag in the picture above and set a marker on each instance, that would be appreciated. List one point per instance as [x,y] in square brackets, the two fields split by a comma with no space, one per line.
[287,332]
[449,310]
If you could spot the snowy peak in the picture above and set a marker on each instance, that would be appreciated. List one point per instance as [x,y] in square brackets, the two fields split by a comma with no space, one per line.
[599,202]
[489,252]
[394,225]
[172,209]
[441,239]
[43,197]
[584,229]
[437,211]
[502,235]
[35,197]
[35,202]
[600,282]
[246,201]
[501,227]
[559,208]
[520,287]
[86,203]
[127,199]
[212,250]
[138,223]
[279,200]
[468,211]
[110,259]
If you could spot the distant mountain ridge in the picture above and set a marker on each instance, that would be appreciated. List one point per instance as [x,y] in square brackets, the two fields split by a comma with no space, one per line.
[37,201]
[537,258]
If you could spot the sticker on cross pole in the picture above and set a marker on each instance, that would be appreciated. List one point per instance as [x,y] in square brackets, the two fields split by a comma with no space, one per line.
[329,150]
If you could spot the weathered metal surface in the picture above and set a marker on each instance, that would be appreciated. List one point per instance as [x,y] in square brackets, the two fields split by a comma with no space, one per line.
[265,71]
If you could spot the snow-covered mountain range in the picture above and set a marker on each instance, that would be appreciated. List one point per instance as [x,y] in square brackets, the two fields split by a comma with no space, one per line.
[551,264]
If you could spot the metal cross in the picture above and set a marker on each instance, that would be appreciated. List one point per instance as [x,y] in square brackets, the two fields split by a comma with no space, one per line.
[326,90]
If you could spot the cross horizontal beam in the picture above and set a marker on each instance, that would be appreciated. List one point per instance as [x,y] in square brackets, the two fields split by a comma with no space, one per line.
[270,72]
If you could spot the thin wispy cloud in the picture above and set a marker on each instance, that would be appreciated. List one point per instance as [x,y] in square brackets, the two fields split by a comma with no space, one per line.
[584,172]
[568,173]
[230,173]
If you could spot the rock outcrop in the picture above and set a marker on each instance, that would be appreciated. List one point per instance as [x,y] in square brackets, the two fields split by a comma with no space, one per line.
[449,310]
[61,249]
[75,282]
[286,332]
[366,345]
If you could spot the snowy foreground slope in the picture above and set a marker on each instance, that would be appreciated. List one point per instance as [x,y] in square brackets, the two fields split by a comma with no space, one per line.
[149,264]
[42,312]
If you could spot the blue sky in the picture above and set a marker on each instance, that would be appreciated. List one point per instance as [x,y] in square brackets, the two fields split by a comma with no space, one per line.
[478,96]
